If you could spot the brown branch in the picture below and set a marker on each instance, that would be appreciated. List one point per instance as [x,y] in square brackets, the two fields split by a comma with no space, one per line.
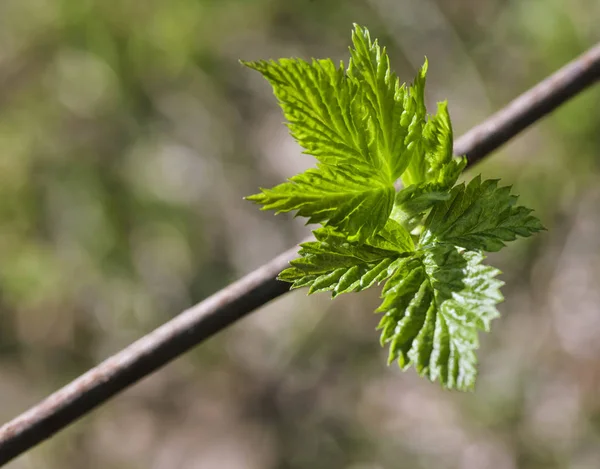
[531,106]
[259,287]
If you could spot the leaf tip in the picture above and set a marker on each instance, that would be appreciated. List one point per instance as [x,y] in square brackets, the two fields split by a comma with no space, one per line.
[424,67]
[256,198]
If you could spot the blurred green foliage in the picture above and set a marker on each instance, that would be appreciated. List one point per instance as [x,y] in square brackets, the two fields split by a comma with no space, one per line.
[129,135]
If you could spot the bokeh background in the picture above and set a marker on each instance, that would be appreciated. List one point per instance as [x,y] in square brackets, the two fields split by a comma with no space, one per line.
[129,134]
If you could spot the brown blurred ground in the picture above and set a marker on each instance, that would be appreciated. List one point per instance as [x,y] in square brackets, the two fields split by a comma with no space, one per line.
[129,135]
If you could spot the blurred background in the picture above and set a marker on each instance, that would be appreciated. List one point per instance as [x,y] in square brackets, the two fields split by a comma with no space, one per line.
[129,134]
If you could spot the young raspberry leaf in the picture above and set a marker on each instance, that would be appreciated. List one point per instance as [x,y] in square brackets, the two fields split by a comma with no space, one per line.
[323,109]
[393,237]
[393,113]
[415,200]
[412,202]
[432,173]
[337,196]
[480,215]
[366,130]
[333,264]
[435,303]
[435,162]
[360,125]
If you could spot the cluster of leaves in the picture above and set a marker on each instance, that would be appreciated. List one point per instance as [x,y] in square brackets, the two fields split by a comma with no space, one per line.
[425,241]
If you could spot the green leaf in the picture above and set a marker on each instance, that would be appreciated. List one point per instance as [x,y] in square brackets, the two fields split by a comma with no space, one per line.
[435,303]
[338,196]
[438,142]
[412,203]
[362,116]
[413,118]
[363,127]
[479,216]
[393,237]
[385,102]
[434,163]
[333,264]
[425,241]
[323,109]
[438,170]
[416,199]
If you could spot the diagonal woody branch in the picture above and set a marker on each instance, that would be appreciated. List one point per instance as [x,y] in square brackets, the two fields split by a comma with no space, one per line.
[531,106]
[259,287]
